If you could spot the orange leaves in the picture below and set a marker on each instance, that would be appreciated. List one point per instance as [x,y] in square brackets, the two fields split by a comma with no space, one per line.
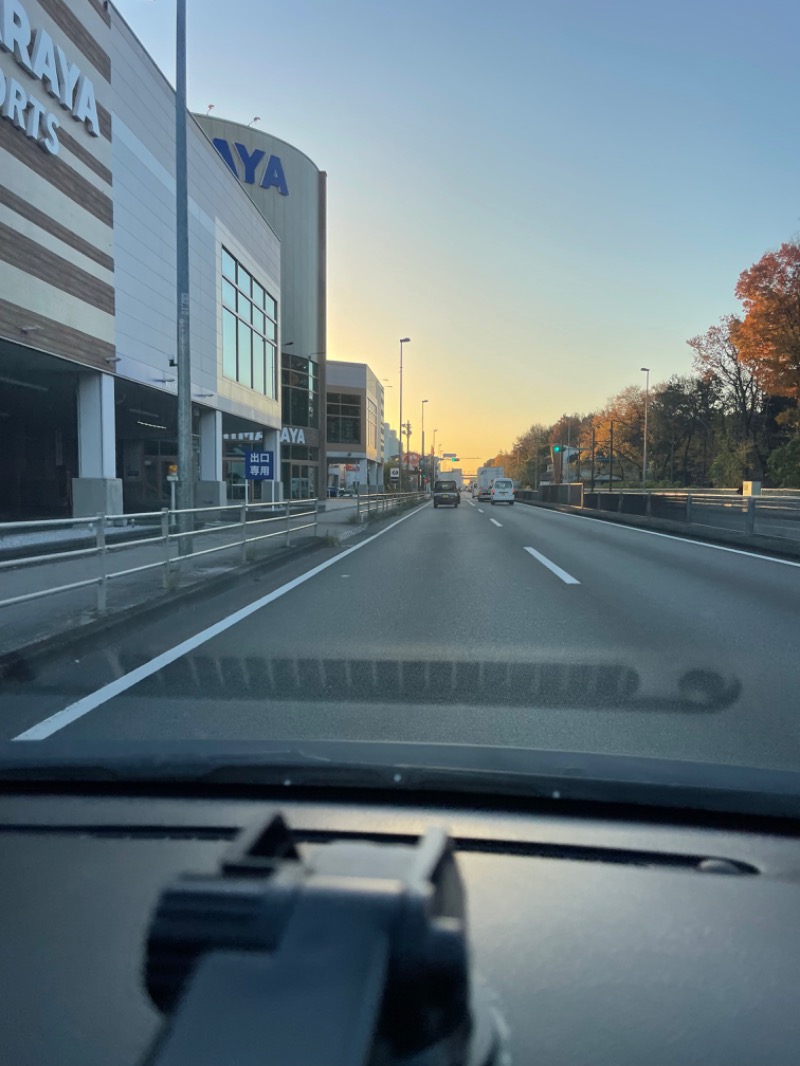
[768,338]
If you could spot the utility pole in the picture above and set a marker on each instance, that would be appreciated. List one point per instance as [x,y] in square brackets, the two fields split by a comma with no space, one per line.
[183,360]
[593,445]
[611,456]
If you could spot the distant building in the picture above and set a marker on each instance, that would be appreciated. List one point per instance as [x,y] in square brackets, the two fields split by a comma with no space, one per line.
[354,405]
[391,443]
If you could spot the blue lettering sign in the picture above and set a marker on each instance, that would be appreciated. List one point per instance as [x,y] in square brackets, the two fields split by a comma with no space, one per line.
[273,176]
[251,161]
[259,466]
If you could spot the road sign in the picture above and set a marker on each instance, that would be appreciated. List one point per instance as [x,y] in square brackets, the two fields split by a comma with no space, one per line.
[259,466]
[449,455]
[394,474]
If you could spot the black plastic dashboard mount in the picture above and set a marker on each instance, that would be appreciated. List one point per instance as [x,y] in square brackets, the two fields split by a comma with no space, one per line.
[343,953]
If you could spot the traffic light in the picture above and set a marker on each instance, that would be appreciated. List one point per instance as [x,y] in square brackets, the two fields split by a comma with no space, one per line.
[556,447]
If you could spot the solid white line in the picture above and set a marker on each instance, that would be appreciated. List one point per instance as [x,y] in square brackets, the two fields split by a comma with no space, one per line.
[676,536]
[495,522]
[568,579]
[65,717]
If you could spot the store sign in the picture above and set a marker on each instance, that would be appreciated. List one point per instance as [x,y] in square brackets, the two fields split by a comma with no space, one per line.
[290,435]
[36,53]
[252,436]
[272,176]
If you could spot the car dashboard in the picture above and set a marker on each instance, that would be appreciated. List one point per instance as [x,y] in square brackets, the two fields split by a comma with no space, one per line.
[597,935]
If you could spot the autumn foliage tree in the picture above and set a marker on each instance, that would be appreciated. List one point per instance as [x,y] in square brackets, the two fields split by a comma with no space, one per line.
[768,337]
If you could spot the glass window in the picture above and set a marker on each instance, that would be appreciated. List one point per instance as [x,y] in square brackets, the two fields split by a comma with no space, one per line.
[270,391]
[229,295]
[270,306]
[228,265]
[243,280]
[229,344]
[259,379]
[245,366]
[247,358]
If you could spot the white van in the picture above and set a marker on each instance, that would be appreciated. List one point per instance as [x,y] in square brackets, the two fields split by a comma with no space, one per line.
[502,490]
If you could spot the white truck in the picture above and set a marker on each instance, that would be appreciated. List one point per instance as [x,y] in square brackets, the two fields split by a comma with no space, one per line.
[482,485]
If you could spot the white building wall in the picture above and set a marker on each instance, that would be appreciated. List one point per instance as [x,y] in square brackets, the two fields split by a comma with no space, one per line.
[143,115]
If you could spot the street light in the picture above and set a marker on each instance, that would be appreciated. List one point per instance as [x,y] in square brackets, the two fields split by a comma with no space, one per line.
[403,340]
[422,452]
[645,370]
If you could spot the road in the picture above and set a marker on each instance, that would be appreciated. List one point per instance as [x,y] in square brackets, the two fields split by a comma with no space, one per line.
[504,625]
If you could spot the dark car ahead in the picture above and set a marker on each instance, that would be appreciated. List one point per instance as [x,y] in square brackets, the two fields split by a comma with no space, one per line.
[446,492]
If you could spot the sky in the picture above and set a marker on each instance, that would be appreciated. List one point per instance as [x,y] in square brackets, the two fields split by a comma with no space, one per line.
[545,195]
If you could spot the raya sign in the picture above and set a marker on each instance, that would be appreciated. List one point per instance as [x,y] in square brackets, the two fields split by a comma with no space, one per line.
[44,61]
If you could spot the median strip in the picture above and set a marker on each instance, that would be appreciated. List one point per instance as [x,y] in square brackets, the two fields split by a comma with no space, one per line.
[568,579]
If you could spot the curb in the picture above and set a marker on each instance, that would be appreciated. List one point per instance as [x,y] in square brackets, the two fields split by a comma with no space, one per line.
[147,610]
[756,542]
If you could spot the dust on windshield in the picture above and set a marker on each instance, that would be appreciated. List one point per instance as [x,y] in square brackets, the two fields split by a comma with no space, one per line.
[552,253]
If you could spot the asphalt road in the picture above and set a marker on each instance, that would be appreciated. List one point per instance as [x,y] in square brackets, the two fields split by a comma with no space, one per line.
[502,625]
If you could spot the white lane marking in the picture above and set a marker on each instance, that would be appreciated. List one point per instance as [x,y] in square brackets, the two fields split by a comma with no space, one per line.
[675,536]
[480,510]
[568,579]
[496,523]
[470,503]
[48,726]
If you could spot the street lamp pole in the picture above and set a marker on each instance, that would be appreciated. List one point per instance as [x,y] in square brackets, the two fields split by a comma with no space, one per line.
[403,340]
[645,370]
[422,452]
[184,365]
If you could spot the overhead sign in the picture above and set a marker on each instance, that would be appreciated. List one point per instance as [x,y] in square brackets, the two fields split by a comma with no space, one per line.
[449,455]
[259,466]
[291,435]
[36,53]
[272,176]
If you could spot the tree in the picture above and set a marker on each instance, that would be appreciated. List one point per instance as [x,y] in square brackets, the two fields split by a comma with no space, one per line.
[626,412]
[739,398]
[768,338]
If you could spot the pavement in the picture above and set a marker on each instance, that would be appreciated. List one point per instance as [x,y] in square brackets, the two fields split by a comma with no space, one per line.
[498,625]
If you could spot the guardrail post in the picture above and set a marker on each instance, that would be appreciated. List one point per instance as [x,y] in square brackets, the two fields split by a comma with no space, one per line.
[688,507]
[165,537]
[288,523]
[750,515]
[102,586]
[243,520]
[648,506]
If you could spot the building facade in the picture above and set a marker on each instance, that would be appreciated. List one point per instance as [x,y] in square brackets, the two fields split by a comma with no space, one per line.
[355,415]
[290,192]
[88,406]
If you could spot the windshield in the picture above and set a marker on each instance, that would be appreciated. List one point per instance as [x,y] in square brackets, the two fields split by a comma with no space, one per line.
[543,259]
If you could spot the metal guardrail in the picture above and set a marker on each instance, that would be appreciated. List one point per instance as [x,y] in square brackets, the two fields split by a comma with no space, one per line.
[775,516]
[177,533]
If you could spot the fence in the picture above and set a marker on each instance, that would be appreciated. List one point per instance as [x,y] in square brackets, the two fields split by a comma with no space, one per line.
[773,515]
[166,540]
